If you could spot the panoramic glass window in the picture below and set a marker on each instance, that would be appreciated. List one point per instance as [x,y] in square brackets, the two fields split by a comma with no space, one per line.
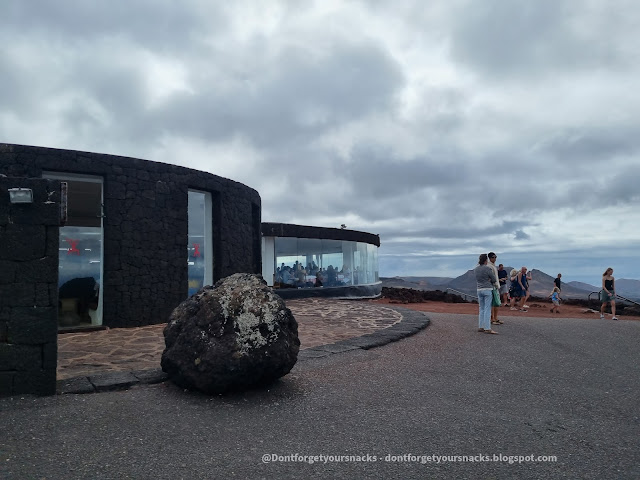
[372,267]
[364,270]
[200,245]
[309,263]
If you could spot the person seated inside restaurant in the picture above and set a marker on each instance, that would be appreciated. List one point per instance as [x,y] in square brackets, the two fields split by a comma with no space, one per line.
[346,275]
[278,275]
[287,278]
[332,276]
[301,276]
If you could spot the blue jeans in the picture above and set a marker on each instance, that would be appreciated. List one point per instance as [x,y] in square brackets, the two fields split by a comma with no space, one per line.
[484,317]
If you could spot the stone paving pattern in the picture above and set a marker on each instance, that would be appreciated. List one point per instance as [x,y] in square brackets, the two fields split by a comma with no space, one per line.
[320,322]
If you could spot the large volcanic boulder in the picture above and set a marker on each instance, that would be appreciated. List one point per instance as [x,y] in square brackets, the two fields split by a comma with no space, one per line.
[232,336]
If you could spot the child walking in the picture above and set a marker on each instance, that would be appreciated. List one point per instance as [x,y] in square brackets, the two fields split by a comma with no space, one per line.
[555,299]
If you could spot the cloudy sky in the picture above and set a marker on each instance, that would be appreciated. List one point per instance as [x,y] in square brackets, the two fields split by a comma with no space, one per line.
[448,127]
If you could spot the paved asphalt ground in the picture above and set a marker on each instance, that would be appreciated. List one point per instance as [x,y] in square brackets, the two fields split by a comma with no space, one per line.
[562,387]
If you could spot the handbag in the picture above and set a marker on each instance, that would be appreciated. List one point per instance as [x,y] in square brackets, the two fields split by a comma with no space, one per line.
[495,300]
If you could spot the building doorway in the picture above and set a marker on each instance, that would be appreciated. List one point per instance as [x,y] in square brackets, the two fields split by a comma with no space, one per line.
[80,264]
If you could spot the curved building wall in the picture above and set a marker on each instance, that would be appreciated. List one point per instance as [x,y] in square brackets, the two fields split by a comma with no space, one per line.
[143,227]
[303,261]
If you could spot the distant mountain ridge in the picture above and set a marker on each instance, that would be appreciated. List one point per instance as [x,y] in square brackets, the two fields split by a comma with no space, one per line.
[541,285]
[584,286]
[628,288]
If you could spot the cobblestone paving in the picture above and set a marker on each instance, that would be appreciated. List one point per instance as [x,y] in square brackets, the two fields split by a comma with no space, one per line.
[320,322]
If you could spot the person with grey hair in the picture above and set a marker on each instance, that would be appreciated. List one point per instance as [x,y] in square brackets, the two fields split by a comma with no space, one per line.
[485,281]
[523,278]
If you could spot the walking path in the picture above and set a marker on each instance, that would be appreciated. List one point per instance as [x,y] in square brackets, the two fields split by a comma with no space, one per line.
[121,357]
[84,356]
[549,397]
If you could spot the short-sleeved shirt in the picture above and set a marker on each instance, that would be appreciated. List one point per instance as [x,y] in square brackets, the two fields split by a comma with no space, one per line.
[502,276]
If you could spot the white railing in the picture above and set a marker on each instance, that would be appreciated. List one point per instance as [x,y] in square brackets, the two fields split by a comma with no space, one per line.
[465,296]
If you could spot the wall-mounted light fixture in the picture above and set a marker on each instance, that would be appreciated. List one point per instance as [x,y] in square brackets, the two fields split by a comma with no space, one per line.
[20,195]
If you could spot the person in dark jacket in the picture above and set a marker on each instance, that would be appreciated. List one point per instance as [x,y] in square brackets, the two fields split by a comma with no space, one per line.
[558,282]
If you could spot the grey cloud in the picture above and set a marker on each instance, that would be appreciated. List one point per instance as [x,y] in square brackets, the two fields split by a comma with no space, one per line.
[476,148]
[502,37]
[14,94]
[156,24]
[349,82]
[591,145]
[430,241]
[460,231]
[288,98]
[379,172]
[622,187]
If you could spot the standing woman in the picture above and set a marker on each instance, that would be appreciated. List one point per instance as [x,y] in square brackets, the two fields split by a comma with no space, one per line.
[608,293]
[514,289]
[485,280]
[523,281]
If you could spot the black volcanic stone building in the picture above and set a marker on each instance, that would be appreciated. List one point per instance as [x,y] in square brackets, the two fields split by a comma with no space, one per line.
[94,240]
[140,236]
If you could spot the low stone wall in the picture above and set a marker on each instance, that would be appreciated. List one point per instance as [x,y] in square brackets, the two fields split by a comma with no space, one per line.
[345,291]
[410,295]
[29,288]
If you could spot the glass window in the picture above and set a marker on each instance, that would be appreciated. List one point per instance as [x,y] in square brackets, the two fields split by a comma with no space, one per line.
[309,262]
[80,252]
[372,267]
[268,260]
[79,264]
[199,247]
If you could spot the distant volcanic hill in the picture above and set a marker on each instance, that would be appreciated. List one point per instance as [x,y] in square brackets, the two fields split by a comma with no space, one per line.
[628,288]
[407,282]
[584,286]
[541,285]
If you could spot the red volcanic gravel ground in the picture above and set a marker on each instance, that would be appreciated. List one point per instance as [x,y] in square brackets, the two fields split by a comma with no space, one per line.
[536,309]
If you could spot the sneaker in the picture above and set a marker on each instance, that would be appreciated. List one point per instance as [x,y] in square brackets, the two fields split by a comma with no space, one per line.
[601,317]
[523,310]
[513,308]
[525,306]
[614,318]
